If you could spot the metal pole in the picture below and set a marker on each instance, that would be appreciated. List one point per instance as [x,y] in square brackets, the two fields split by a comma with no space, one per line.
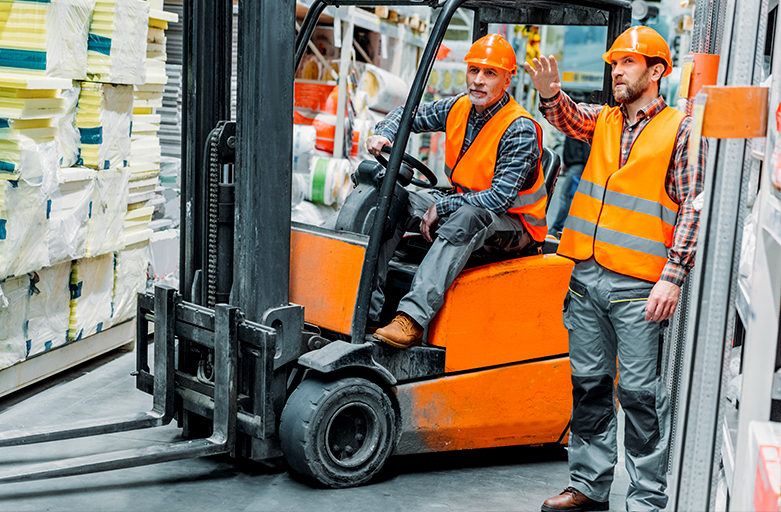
[264,149]
[205,101]
[715,275]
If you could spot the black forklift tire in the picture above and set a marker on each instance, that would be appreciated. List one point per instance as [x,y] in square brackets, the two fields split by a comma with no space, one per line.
[338,432]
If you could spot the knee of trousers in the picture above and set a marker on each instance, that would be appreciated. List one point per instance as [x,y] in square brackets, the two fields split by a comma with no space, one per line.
[642,432]
[464,223]
[592,404]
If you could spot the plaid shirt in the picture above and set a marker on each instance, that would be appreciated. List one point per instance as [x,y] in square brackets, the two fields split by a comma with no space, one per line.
[516,162]
[683,183]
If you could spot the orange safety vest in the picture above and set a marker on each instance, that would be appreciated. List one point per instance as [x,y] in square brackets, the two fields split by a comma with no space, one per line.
[474,170]
[623,216]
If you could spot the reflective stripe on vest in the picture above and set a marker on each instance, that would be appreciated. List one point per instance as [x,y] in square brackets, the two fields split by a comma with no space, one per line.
[623,217]
[474,170]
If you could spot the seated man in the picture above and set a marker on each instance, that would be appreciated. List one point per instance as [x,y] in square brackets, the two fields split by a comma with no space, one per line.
[493,161]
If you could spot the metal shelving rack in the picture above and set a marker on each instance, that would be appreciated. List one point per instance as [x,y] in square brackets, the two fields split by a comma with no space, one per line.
[713,433]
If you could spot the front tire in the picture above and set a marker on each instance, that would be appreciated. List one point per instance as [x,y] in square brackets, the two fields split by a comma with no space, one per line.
[338,432]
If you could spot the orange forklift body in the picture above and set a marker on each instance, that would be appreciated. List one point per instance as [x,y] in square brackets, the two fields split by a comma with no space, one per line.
[507,376]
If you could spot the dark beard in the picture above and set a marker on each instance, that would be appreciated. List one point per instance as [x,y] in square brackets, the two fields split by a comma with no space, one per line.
[633,92]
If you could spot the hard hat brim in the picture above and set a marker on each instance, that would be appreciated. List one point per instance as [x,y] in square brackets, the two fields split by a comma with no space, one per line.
[487,63]
[607,57]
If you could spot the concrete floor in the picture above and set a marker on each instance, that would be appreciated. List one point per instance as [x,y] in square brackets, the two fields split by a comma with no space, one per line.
[505,479]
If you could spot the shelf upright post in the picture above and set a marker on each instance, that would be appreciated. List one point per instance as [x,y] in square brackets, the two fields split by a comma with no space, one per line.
[761,341]
[715,275]
[344,66]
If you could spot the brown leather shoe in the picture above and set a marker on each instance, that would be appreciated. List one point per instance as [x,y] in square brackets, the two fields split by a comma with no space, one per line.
[402,332]
[572,500]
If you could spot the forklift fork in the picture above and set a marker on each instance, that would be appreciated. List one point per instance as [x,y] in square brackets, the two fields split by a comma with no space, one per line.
[223,439]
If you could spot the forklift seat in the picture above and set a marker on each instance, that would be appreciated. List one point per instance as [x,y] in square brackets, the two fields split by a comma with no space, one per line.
[551,166]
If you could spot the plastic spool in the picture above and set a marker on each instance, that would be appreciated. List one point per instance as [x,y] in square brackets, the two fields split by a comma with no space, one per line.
[298,193]
[310,68]
[328,177]
[303,145]
[386,90]
[447,81]
[459,79]
[433,79]
[325,133]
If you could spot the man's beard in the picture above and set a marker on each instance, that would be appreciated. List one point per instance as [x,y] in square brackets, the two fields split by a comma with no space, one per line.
[478,101]
[632,92]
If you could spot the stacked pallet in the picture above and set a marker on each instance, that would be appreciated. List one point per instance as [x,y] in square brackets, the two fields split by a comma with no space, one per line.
[91,296]
[28,168]
[117,42]
[29,106]
[146,151]
[103,118]
[45,37]
[106,226]
[67,74]
[48,309]
[171,112]
[69,211]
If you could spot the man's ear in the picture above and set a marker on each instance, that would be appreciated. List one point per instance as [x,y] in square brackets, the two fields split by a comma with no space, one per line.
[657,70]
[508,77]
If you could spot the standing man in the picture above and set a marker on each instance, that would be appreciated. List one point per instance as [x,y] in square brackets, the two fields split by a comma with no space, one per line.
[631,231]
[493,161]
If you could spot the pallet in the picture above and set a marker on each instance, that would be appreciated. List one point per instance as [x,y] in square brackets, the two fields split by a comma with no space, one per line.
[49,363]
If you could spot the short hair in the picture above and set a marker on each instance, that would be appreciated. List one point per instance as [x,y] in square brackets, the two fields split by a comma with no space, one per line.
[652,61]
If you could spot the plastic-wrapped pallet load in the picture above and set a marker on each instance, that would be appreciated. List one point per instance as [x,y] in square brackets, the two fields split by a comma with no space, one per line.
[45,37]
[49,309]
[131,266]
[109,207]
[69,212]
[28,106]
[23,226]
[150,94]
[104,115]
[92,292]
[303,145]
[164,258]
[117,41]
[137,222]
[145,150]
[14,302]
[68,137]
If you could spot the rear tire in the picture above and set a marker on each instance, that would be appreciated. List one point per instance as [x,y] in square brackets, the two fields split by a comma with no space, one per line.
[338,432]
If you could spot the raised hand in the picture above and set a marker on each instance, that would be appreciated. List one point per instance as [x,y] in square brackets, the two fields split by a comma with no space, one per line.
[545,76]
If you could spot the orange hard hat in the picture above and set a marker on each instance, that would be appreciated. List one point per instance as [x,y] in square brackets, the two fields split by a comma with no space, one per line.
[642,41]
[492,50]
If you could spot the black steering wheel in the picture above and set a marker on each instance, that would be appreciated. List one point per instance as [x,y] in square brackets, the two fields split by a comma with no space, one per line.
[415,164]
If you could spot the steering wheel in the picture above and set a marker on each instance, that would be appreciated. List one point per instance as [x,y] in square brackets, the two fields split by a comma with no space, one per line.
[431,179]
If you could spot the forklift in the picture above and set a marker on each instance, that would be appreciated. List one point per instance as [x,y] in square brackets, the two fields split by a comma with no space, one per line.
[262,352]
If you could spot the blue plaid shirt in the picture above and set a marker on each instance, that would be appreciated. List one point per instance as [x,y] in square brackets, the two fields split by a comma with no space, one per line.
[516,162]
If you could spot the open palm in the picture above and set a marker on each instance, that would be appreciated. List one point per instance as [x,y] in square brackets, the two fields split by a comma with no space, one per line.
[545,76]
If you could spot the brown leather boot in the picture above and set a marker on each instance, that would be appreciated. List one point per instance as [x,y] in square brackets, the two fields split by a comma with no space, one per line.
[572,500]
[402,332]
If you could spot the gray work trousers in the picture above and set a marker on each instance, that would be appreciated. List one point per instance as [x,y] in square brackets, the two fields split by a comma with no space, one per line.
[604,313]
[463,232]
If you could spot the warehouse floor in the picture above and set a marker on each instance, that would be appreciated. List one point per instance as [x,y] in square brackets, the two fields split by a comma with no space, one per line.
[506,479]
